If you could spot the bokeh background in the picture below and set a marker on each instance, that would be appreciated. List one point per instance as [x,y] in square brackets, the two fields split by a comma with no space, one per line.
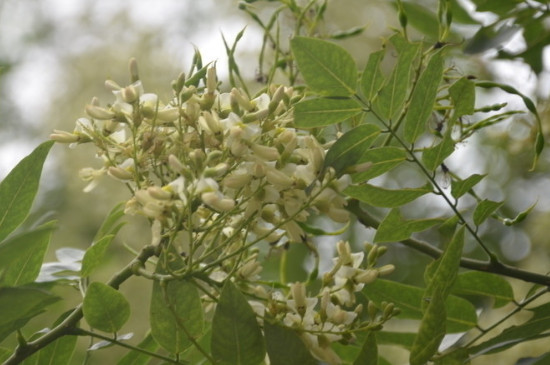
[56,54]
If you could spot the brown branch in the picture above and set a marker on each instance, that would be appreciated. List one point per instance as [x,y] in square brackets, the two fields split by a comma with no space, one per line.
[486,266]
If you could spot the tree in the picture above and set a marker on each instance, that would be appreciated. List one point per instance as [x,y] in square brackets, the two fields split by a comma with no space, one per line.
[227,180]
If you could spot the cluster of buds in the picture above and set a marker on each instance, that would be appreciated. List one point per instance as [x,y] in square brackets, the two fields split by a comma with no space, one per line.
[333,314]
[207,159]
[221,173]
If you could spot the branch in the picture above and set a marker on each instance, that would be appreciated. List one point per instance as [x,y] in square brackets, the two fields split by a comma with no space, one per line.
[478,265]
[68,326]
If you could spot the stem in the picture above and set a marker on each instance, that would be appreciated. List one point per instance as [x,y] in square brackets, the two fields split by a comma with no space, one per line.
[69,325]
[478,265]
[83,332]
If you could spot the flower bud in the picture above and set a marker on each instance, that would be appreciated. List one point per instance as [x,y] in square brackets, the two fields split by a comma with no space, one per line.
[386,269]
[278,178]
[133,68]
[111,85]
[168,114]
[367,276]
[236,181]
[129,94]
[239,98]
[120,173]
[211,80]
[99,112]
[265,152]
[159,193]
[64,137]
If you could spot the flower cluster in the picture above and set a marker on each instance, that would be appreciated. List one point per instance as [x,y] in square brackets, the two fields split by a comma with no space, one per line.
[208,159]
[217,173]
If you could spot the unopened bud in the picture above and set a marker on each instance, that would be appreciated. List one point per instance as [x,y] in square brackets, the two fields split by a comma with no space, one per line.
[159,193]
[175,164]
[211,80]
[278,178]
[119,173]
[366,277]
[111,85]
[99,112]
[239,98]
[133,68]
[129,94]
[168,114]
[236,181]
[255,116]
[386,269]
[63,136]
[265,152]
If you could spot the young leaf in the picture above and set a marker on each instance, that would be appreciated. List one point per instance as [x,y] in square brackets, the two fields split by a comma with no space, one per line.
[476,283]
[94,255]
[176,310]
[139,358]
[394,228]
[432,327]
[318,112]
[463,96]
[459,188]
[105,308]
[285,347]
[18,189]
[423,99]
[484,210]
[347,150]
[328,69]
[369,351]
[372,78]
[21,255]
[392,95]
[520,217]
[461,314]
[18,305]
[433,157]
[388,198]
[383,159]
[236,335]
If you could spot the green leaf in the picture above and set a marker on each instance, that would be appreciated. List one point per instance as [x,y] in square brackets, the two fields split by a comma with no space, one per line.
[461,314]
[59,352]
[18,305]
[434,156]
[492,36]
[484,210]
[4,354]
[392,95]
[422,19]
[94,255]
[461,187]
[431,331]
[319,112]
[463,96]
[372,78]
[388,198]
[176,310]
[285,347]
[369,351]
[394,228]
[513,335]
[139,358]
[475,283]
[21,255]
[404,339]
[105,308]
[423,98]
[347,149]
[236,335]
[460,15]
[520,217]
[383,159]
[109,225]
[501,7]
[432,327]
[328,69]
[18,189]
